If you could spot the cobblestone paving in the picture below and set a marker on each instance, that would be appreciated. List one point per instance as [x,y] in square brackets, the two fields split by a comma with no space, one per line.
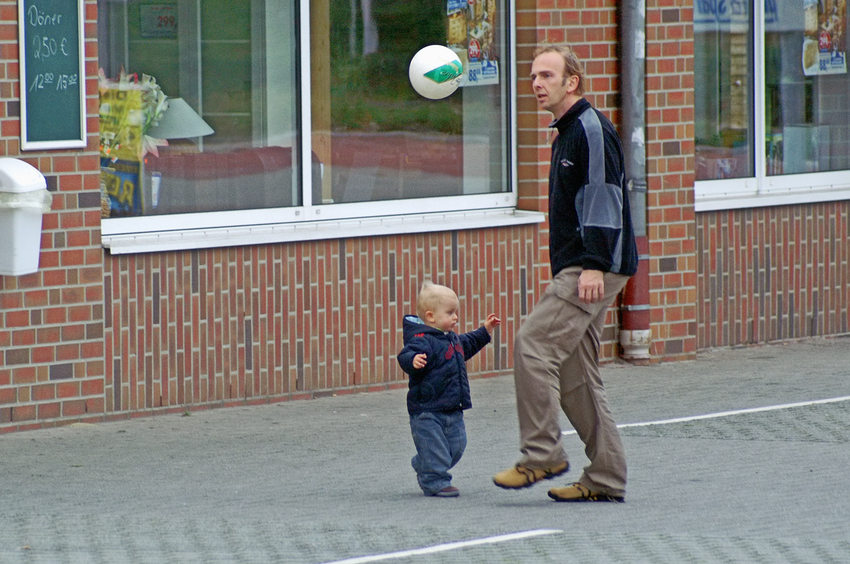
[822,423]
[100,540]
[329,480]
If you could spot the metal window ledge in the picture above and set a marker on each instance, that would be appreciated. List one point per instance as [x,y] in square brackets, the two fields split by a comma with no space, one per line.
[174,240]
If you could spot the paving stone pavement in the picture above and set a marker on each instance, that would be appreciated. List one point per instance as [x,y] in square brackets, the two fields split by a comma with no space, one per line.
[329,480]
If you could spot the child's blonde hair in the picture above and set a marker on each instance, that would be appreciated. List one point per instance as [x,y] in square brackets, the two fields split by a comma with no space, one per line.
[430,297]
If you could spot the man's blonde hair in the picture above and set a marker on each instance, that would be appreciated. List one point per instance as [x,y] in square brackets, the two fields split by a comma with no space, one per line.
[572,66]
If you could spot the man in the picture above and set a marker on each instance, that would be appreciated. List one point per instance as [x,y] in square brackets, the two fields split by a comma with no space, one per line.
[592,253]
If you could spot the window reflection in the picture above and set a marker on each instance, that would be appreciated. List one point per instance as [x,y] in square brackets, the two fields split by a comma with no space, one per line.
[808,110]
[232,64]
[377,138]
[723,99]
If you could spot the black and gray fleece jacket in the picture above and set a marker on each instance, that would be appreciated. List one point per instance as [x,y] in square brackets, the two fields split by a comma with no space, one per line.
[589,219]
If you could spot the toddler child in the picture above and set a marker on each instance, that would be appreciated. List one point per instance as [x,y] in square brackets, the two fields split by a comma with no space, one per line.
[435,359]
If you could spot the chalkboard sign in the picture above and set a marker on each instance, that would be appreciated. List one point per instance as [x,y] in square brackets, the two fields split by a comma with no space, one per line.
[52,74]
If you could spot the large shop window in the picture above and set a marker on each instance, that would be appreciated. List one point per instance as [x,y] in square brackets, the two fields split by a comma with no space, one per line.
[772,113]
[288,120]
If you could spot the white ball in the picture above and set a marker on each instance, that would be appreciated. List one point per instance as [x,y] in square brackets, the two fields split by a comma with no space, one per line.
[435,72]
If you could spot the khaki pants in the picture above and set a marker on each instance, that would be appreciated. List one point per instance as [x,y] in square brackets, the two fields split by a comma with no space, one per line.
[556,361]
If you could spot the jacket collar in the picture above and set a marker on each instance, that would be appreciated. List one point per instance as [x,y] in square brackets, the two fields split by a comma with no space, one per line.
[571,115]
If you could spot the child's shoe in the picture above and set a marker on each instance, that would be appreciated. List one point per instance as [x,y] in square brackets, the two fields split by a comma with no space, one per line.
[448,491]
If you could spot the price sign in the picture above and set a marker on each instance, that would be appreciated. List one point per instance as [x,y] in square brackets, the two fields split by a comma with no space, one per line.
[158,21]
[52,76]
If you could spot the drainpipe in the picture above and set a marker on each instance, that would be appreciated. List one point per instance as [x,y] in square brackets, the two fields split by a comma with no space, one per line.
[635,333]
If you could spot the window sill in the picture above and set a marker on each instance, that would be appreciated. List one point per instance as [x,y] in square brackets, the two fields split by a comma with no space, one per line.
[717,195]
[188,239]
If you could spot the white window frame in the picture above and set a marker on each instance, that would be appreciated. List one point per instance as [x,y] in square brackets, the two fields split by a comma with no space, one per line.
[763,190]
[327,221]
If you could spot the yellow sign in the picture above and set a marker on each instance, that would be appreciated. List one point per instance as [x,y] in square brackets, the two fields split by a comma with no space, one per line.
[121,124]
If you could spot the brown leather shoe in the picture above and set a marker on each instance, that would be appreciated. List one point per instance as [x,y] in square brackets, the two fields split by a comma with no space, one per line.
[521,477]
[578,492]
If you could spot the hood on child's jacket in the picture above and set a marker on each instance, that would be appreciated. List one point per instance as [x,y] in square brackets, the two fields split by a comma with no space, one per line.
[442,384]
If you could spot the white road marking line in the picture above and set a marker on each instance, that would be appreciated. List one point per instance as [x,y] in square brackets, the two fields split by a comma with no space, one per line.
[726,413]
[449,546]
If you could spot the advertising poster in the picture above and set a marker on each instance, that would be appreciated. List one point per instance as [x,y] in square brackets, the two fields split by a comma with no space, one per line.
[119,180]
[824,50]
[470,34]
[120,150]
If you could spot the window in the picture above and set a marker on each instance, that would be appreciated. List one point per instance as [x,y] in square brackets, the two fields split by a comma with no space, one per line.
[233,66]
[807,109]
[773,122]
[306,117]
[380,140]
[724,117]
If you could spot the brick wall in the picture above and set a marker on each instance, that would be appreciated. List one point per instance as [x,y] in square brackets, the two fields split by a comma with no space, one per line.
[590,27]
[670,169]
[275,322]
[51,322]
[771,274]
[592,33]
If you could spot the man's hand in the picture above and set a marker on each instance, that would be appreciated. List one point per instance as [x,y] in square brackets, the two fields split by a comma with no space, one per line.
[420,360]
[591,286]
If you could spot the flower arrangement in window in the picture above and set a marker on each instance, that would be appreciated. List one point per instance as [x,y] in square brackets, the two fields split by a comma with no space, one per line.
[129,107]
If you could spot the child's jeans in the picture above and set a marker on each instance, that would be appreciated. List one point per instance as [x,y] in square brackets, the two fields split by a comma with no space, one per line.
[440,439]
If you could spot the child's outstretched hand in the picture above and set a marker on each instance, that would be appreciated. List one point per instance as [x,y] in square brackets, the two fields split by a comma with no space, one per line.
[492,322]
[420,360]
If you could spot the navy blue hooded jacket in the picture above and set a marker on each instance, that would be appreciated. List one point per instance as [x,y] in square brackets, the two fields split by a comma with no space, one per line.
[442,384]
[590,224]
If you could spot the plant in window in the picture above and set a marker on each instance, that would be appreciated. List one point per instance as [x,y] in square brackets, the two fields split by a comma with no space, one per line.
[129,107]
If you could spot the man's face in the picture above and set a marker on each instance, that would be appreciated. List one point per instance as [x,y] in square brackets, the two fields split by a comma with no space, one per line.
[554,92]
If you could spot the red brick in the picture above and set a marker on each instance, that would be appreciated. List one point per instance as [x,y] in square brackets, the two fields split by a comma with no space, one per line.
[56,315]
[96,405]
[92,387]
[24,338]
[43,355]
[73,408]
[36,298]
[23,413]
[43,392]
[8,395]
[68,389]
[67,352]
[11,300]
[49,334]
[50,410]
[73,332]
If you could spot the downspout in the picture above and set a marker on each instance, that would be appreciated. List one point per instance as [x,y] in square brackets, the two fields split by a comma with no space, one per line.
[635,332]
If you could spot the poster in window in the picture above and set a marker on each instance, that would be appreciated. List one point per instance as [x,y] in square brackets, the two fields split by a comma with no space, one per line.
[120,150]
[471,34]
[824,32]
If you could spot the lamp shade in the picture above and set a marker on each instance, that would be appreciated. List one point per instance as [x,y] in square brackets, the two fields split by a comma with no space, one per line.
[180,121]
